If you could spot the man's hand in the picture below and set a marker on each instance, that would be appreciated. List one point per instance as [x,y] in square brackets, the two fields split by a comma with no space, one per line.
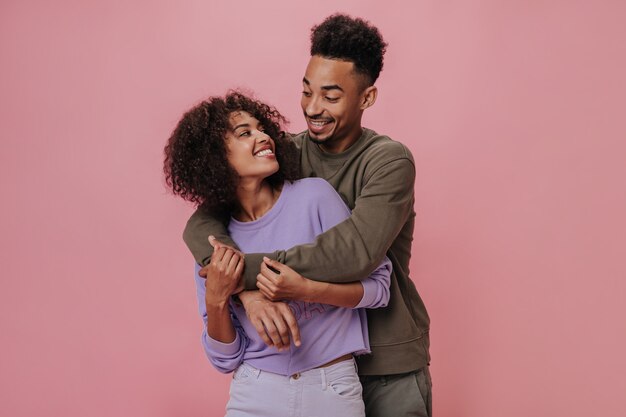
[223,275]
[274,321]
[287,284]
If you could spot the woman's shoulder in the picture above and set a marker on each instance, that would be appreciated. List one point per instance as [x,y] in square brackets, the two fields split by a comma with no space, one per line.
[312,186]
[314,193]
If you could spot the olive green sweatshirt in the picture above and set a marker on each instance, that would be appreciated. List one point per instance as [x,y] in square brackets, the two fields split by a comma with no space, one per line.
[375,178]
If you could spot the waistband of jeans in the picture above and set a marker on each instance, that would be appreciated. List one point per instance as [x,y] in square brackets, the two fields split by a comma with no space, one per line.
[313,375]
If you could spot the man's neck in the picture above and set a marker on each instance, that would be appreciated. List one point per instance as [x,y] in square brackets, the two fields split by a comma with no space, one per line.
[335,147]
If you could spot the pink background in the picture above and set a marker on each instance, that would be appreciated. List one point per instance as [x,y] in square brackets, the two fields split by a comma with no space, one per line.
[515,112]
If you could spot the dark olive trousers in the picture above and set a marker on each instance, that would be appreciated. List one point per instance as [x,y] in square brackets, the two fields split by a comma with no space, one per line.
[401,395]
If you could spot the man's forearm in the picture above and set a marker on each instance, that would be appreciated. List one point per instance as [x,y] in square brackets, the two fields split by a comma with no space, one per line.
[351,250]
[197,231]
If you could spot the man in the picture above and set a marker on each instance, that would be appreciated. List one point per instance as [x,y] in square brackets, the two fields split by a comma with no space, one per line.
[375,177]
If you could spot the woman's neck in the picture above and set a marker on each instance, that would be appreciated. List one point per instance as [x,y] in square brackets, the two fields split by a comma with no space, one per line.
[255,199]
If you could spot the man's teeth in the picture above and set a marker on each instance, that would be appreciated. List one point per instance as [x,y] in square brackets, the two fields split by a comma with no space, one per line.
[318,122]
[265,152]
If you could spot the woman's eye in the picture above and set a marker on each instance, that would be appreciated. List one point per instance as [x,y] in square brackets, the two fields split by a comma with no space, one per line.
[244,133]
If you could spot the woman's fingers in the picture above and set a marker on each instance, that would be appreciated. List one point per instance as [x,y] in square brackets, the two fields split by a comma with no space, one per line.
[217,255]
[264,290]
[268,273]
[228,255]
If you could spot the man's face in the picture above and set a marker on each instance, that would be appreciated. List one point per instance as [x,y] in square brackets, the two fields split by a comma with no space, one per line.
[332,102]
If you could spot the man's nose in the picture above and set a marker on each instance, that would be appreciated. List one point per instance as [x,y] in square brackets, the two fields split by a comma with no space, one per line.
[312,107]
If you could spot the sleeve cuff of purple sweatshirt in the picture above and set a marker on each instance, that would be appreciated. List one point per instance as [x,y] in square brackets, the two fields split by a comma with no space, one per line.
[221,348]
[371,296]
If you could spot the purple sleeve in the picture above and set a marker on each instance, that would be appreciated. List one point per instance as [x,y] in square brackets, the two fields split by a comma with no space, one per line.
[225,357]
[376,287]
[332,211]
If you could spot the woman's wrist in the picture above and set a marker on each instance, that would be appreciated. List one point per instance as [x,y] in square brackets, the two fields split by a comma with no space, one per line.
[312,291]
[216,304]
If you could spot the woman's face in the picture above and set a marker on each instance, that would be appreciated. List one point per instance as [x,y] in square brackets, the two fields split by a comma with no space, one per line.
[249,150]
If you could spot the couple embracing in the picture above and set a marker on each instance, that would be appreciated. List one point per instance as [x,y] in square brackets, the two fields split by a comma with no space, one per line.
[304,284]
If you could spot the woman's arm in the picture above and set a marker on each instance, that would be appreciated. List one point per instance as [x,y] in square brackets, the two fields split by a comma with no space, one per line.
[372,292]
[222,339]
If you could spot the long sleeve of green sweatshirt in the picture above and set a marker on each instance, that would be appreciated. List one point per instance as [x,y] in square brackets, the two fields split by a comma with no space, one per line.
[379,190]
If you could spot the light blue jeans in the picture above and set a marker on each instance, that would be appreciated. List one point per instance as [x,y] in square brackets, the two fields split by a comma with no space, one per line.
[324,392]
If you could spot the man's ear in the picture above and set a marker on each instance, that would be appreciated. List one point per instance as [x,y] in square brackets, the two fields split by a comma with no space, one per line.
[368,97]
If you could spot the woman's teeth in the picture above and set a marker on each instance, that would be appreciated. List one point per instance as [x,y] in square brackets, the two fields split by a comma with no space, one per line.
[264,152]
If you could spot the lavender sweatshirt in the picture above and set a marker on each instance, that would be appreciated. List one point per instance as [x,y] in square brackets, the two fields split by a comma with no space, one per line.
[304,209]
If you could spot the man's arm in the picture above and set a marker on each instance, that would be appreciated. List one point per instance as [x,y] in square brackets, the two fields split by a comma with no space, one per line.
[351,250]
[380,212]
[199,227]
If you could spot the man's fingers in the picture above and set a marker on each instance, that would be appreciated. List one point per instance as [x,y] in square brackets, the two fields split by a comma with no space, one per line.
[203,271]
[294,329]
[260,329]
[272,332]
[283,330]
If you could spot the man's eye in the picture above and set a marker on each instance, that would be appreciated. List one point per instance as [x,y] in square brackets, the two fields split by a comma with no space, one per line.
[332,99]
[306,94]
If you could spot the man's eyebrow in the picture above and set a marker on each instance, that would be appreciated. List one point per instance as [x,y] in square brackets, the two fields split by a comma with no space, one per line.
[325,87]
[332,87]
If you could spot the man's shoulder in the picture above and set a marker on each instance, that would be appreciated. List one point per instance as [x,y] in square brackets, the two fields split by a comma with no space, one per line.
[297,138]
[384,149]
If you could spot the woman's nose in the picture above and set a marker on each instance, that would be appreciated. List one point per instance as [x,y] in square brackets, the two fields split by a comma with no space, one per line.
[262,137]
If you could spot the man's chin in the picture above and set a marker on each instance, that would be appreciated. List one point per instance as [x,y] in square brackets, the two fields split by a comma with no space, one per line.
[318,139]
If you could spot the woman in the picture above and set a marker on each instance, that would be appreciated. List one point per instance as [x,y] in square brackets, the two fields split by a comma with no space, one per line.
[230,156]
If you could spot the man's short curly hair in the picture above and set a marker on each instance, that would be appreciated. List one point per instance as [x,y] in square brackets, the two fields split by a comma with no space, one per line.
[196,166]
[346,38]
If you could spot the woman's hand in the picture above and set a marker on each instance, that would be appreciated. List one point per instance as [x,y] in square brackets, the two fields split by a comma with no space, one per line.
[223,276]
[287,284]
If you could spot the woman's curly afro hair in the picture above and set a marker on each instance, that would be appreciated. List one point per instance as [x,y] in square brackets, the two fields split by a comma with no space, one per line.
[346,38]
[196,165]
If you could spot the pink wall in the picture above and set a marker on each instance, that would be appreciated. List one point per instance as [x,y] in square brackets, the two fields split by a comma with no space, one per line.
[514,111]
